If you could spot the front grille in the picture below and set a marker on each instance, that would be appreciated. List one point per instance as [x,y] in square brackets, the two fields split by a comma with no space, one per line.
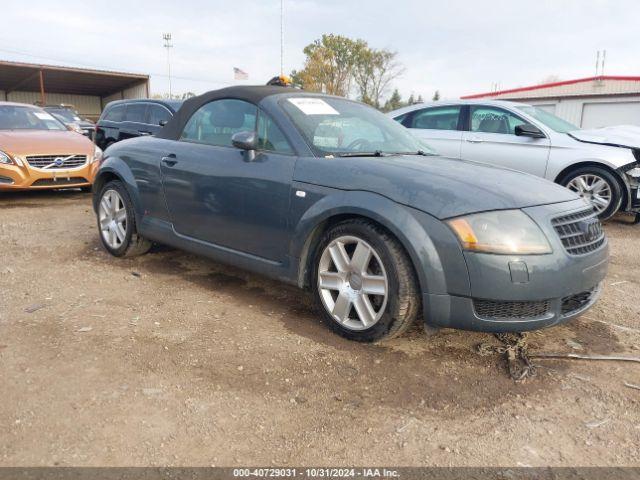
[517,310]
[52,162]
[58,182]
[579,232]
[576,302]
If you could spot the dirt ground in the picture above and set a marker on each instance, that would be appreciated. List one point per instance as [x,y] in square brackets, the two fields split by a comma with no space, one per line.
[171,359]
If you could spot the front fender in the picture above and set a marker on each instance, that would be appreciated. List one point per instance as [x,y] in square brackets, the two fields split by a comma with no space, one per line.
[431,246]
[115,167]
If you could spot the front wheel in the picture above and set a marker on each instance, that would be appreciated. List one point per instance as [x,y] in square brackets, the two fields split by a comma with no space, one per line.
[117,223]
[364,282]
[598,186]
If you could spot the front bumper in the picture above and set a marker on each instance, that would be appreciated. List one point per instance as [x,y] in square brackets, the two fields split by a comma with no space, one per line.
[518,293]
[461,313]
[24,177]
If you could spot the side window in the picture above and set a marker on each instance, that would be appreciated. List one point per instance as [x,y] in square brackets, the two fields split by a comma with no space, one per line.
[136,112]
[157,114]
[494,120]
[438,118]
[115,113]
[270,137]
[217,121]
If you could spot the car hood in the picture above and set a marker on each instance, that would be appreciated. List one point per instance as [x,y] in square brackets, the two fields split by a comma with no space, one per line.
[619,136]
[44,142]
[440,186]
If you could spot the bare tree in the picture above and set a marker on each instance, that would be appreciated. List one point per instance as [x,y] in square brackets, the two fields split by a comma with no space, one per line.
[374,72]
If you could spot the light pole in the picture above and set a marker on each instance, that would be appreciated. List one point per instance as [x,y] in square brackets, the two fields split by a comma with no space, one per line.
[281,37]
[168,45]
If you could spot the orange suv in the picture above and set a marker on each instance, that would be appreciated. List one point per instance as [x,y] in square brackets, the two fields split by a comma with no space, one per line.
[39,152]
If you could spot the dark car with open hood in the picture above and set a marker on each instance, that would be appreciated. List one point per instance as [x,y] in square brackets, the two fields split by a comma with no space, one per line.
[333,196]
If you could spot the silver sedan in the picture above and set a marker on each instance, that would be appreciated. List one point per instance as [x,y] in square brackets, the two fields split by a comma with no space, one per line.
[600,165]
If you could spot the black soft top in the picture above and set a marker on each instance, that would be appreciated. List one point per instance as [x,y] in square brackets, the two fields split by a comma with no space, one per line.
[252,94]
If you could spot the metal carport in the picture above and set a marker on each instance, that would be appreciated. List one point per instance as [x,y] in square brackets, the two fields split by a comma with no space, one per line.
[89,90]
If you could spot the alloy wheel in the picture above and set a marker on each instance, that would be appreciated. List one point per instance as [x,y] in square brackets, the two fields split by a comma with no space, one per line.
[353,283]
[593,188]
[113,219]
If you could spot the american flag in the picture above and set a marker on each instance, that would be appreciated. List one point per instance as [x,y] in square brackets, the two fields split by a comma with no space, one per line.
[239,74]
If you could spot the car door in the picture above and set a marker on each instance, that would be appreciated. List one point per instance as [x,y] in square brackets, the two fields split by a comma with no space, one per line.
[491,139]
[157,116]
[108,126]
[438,127]
[221,195]
[135,121]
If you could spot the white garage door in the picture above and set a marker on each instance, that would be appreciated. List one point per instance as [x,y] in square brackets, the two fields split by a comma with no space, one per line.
[596,115]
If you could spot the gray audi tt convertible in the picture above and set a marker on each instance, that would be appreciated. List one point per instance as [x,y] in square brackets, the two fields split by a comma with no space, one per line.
[333,196]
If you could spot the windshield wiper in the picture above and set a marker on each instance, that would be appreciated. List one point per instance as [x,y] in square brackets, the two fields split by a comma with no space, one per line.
[419,152]
[376,153]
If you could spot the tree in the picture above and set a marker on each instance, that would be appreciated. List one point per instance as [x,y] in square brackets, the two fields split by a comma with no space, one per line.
[329,64]
[176,96]
[549,79]
[339,65]
[436,96]
[373,72]
[394,102]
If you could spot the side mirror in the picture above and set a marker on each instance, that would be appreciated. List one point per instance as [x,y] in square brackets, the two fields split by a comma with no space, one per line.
[162,123]
[245,140]
[528,130]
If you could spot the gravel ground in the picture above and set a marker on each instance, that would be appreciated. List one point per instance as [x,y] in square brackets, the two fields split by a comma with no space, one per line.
[171,359]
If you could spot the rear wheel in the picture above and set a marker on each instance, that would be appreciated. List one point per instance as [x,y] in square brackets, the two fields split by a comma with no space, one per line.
[598,186]
[117,223]
[364,282]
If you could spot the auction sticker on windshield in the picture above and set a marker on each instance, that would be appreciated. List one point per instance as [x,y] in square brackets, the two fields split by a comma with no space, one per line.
[44,116]
[313,106]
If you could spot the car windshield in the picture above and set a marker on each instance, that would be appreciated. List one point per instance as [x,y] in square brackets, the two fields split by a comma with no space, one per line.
[335,126]
[26,118]
[64,114]
[549,119]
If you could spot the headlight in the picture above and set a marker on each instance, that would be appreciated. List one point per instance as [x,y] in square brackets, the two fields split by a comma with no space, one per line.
[5,159]
[97,154]
[504,232]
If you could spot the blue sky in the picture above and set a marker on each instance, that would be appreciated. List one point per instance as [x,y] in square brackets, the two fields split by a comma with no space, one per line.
[458,47]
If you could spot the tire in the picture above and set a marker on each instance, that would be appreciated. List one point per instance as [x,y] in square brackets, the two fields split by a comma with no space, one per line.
[123,227]
[591,176]
[340,289]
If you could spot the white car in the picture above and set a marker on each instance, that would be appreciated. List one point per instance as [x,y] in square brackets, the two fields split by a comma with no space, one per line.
[601,165]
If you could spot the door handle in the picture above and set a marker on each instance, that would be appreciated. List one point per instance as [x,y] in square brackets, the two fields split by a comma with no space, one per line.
[169,160]
[474,140]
